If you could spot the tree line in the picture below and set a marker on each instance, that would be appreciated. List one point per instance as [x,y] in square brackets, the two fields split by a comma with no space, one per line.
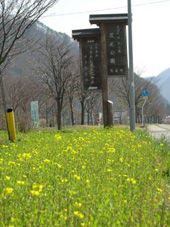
[54,78]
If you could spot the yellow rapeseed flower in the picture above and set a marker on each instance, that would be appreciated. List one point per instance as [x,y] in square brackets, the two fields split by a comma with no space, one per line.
[58,137]
[111,150]
[24,156]
[121,159]
[131,180]
[77,177]
[64,180]
[11,163]
[69,148]
[7,178]
[8,191]
[47,161]
[37,187]
[76,204]
[4,146]
[58,165]
[12,219]
[159,190]
[22,183]
[109,170]
[78,214]
[72,193]
[35,193]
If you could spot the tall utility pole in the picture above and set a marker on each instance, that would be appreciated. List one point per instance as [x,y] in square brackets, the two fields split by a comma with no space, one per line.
[131,73]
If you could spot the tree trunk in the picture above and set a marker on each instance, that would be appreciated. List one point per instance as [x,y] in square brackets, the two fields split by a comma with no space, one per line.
[59,109]
[82,112]
[46,115]
[88,117]
[3,98]
[71,110]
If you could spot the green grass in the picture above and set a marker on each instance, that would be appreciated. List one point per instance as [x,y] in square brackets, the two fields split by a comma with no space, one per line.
[89,177]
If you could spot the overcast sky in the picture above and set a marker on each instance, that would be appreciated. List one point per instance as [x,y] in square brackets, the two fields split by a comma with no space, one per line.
[151,27]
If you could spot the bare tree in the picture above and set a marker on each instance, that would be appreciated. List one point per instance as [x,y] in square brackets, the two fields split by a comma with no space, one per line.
[19,92]
[82,96]
[81,93]
[16,17]
[156,105]
[54,69]
[90,106]
[121,88]
[73,84]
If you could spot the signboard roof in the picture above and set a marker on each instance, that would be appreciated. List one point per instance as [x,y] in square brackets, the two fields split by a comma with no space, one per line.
[85,33]
[108,18]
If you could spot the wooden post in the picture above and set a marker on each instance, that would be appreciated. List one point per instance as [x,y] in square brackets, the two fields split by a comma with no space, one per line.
[104,76]
[81,84]
[110,112]
[11,124]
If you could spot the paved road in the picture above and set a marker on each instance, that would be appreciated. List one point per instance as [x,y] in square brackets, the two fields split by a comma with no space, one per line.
[159,130]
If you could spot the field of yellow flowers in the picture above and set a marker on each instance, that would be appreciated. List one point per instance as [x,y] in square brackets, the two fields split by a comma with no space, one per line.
[90,177]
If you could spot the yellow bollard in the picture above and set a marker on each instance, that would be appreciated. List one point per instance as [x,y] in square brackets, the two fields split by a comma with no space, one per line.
[11,124]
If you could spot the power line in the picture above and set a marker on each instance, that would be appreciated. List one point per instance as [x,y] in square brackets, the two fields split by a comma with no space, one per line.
[106,9]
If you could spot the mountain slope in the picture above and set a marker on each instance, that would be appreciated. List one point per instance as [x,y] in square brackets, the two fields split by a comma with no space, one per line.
[37,33]
[163,83]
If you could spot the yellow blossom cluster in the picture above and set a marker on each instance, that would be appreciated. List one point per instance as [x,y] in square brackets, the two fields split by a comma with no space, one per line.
[36,189]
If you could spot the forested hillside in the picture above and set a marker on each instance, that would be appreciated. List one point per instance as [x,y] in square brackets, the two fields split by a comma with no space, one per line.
[35,35]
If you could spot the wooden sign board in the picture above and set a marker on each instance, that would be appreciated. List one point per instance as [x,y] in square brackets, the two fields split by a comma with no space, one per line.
[89,40]
[116,49]
[91,63]
[113,28]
